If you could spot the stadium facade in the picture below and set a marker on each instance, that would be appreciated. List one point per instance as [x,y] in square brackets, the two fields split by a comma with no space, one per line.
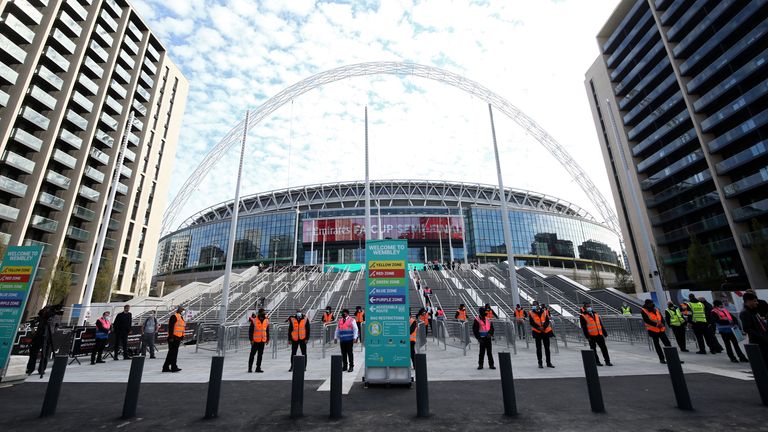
[442,221]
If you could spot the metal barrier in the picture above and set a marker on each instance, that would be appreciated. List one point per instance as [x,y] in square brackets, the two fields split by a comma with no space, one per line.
[329,329]
[276,334]
[421,338]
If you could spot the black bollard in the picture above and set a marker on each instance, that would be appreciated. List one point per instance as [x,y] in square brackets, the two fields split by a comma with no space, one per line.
[297,387]
[593,381]
[507,384]
[54,386]
[214,387]
[759,370]
[335,386]
[132,390]
[678,379]
[422,390]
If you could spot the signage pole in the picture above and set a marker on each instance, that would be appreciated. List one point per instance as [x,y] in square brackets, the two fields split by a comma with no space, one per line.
[463,234]
[450,241]
[367,185]
[505,219]
[296,237]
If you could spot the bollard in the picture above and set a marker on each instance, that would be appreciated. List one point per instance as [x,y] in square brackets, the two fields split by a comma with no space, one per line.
[422,391]
[214,387]
[759,370]
[593,381]
[297,387]
[335,386]
[54,386]
[132,390]
[678,379]
[507,384]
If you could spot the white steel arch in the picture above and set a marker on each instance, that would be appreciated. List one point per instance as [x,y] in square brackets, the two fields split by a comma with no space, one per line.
[392,68]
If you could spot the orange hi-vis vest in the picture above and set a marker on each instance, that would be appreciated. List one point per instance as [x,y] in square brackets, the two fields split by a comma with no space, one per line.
[327,317]
[424,318]
[654,316]
[594,326]
[413,333]
[179,326]
[360,316]
[259,330]
[462,314]
[299,331]
[539,320]
[519,314]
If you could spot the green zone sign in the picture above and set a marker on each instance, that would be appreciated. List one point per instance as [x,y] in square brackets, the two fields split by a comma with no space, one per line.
[386,340]
[16,276]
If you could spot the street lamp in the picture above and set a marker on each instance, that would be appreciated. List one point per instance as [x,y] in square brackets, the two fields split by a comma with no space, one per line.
[276,241]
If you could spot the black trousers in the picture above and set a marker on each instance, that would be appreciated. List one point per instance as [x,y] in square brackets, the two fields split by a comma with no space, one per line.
[729,340]
[703,335]
[656,337]
[98,349]
[347,354]
[542,340]
[679,332]
[173,353]
[485,347]
[121,341]
[256,348]
[413,353]
[34,351]
[599,341]
[295,345]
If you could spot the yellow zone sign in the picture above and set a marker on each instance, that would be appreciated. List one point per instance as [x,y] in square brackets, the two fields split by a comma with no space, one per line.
[22,270]
[386,265]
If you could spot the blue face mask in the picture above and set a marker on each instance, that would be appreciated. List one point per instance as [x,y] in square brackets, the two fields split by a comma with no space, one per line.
[589,309]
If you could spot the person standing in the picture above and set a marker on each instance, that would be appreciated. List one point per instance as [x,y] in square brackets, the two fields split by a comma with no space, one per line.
[593,329]
[259,331]
[654,324]
[42,339]
[424,319]
[726,326]
[148,333]
[626,310]
[489,313]
[677,322]
[520,316]
[298,336]
[103,328]
[482,328]
[176,327]
[413,327]
[328,316]
[461,313]
[360,320]
[541,328]
[754,324]
[700,325]
[347,335]
[711,326]
[122,328]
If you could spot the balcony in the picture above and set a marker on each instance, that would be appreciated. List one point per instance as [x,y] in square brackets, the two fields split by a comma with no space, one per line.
[693,205]
[147,80]
[19,162]
[27,139]
[8,213]
[754,124]
[99,51]
[743,157]
[126,172]
[74,28]
[83,213]
[57,179]
[751,238]
[122,75]
[74,256]
[139,107]
[88,83]
[83,101]
[42,96]
[31,14]
[129,154]
[116,10]
[135,32]
[63,41]
[118,206]
[114,225]
[77,9]
[78,234]
[143,93]
[70,138]
[131,45]
[716,247]
[109,121]
[104,35]
[77,120]
[118,89]
[705,225]
[13,187]
[150,66]
[89,194]
[35,118]
[99,155]
[133,139]
[4,98]
[153,53]
[43,223]
[46,246]
[104,138]
[114,105]
[111,23]
[51,201]
[8,75]
[13,50]
[94,174]
[122,189]
[109,243]
[23,33]
[747,183]
[57,59]
[51,78]
[127,59]
[64,159]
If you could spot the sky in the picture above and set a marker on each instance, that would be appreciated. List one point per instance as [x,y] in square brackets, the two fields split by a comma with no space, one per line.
[236,54]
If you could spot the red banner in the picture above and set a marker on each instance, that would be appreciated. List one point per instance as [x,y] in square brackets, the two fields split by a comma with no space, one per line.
[392,227]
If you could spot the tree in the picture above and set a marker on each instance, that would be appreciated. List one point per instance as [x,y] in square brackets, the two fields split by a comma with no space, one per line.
[760,244]
[142,288]
[58,280]
[595,281]
[3,247]
[702,268]
[623,282]
[104,279]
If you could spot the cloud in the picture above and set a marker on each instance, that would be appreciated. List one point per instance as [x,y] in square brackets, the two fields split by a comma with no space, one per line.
[238,53]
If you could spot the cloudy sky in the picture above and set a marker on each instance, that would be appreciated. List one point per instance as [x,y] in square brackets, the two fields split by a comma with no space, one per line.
[237,54]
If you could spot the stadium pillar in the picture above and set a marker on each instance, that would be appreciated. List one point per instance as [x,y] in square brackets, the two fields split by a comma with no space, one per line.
[367,184]
[505,218]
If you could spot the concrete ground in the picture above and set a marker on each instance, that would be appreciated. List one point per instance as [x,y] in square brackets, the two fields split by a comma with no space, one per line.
[637,393]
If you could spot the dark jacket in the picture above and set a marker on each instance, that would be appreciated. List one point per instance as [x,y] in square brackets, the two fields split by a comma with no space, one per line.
[123,322]
[476,329]
[414,326]
[583,322]
[171,323]
[754,326]
[290,328]
[251,328]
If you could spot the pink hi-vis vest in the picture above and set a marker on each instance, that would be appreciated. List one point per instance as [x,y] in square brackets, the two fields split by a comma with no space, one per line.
[723,314]
[485,326]
[105,323]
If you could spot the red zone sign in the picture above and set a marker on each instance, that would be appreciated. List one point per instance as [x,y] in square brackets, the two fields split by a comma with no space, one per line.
[398,273]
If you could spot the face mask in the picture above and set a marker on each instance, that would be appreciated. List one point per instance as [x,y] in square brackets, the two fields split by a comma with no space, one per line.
[589,309]
[344,314]
[298,315]
[328,311]
[536,308]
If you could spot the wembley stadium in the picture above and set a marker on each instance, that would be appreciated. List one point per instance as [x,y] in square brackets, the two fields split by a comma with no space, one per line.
[446,222]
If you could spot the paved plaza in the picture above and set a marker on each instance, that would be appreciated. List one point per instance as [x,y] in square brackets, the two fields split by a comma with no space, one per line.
[637,393]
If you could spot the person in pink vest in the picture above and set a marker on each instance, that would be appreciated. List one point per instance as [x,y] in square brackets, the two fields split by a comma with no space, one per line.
[482,328]
[103,328]
[727,326]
